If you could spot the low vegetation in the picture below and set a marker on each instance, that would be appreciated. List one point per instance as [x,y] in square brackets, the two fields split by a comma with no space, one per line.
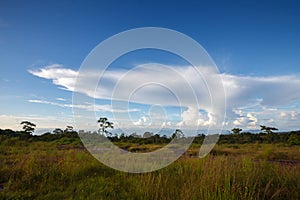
[241,166]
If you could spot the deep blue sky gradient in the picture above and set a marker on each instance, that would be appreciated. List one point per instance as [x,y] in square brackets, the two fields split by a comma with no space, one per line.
[251,38]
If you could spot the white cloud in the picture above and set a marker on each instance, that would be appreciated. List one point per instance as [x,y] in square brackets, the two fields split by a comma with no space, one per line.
[289,115]
[61,99]
[248,121]
[165,83]
[142,121]
[168,84]
[193,118]
[167,124]
[60,76]
[283,114]
[272,91]
[145,84]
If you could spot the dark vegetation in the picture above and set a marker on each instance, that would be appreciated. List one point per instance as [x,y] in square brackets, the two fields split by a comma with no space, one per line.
[69,135]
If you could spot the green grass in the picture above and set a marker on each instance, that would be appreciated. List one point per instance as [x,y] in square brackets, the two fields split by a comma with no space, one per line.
[44,170]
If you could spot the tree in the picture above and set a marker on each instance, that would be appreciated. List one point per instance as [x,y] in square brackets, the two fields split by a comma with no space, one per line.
[69,129]
[57,131]
[178,134]
[268,129]
[147,134]
[28,127]
[104,124]
[236,130]
[122,137]
[134,135]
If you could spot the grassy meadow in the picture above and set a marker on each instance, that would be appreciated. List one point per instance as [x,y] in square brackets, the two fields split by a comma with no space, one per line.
[63,169]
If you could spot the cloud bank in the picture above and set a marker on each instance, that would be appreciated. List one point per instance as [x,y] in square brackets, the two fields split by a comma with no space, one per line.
[248,97]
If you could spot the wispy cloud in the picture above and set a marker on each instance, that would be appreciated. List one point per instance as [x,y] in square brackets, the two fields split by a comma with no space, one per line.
[43,122]
[59,76]
[61,99]
[89,107]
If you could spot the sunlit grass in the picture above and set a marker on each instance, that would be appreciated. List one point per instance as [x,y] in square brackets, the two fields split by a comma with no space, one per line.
[41,170]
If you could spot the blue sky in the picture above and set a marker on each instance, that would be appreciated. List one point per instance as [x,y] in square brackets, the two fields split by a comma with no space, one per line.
[255,45]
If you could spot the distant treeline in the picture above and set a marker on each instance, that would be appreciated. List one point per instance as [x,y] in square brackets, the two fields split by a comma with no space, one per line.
[71,136]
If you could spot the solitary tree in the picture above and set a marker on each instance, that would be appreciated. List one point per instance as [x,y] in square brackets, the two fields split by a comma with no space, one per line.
[147,134]
[28,127]
[268,129]
[122,136]
[178,134]
[57,131]
[236,130]
[104,124]
[134,135]
[69,129]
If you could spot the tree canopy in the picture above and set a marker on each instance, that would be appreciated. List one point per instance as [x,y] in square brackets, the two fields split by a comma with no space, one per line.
[236,130]
[268,129]
[28,127]
[105,124]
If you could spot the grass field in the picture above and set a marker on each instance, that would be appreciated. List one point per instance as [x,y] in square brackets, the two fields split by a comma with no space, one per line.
[51,170]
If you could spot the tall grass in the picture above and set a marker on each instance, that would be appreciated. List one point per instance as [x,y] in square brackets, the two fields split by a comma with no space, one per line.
[42,171]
